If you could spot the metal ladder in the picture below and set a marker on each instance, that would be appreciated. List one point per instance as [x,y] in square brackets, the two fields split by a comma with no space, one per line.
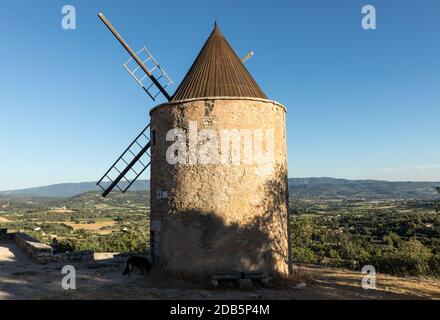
[129,166]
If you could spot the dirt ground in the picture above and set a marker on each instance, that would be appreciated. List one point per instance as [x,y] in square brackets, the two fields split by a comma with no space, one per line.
[21,278]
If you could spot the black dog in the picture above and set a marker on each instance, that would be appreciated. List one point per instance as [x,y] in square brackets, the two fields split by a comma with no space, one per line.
[141,263]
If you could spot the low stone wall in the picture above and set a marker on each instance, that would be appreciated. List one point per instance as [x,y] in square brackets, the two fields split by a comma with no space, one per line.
[70,256]
[42,253]
[3,234]
[38,251]
[118,255]
[110,255]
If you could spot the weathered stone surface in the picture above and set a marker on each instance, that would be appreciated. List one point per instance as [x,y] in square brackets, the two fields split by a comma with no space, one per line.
[3,234]
[267,282]
[38,251]
[227,276]
[245,284]
[110,255]
[220,217]
[255,275]
[214,284]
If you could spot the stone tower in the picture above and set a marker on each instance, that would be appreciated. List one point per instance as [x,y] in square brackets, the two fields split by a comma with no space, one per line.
[219,196]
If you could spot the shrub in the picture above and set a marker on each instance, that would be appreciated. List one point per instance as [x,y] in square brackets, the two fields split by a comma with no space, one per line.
[66,245]
[411,258]
[434,265]
[304,255]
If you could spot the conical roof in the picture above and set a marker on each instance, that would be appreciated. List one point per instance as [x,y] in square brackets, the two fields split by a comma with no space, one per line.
[217,72]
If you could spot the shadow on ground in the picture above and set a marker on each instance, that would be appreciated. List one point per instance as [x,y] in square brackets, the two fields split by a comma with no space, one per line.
[21,278]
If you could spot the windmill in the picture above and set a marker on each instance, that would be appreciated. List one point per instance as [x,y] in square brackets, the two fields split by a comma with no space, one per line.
[210,217]
[151,77]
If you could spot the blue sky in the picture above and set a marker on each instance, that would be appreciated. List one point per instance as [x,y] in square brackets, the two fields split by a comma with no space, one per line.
[361,104]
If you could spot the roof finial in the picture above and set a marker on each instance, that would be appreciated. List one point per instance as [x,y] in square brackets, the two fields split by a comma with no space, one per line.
[215,20]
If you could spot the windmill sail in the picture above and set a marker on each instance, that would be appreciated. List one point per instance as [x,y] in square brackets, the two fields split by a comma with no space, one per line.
[142,78]
[155,81]
[129,166]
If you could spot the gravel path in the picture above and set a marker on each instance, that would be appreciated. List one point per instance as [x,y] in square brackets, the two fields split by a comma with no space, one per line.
[21,278]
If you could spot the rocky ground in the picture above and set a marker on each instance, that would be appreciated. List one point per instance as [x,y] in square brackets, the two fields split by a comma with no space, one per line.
[21,278]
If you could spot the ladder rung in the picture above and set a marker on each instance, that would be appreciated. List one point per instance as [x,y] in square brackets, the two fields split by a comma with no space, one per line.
[139,145]
[134,171]
[141,163]
[136,178]
[142,79]
[139,139]
[146,90]
[151,84]
[135,69]
[132,152]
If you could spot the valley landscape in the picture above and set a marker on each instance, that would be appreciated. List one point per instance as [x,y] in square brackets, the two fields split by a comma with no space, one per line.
[335,223]
[150,159]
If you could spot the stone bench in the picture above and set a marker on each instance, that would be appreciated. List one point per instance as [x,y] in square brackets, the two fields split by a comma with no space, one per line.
[244,279]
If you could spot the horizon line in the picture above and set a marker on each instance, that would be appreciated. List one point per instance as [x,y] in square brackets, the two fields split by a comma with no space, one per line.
[309,177]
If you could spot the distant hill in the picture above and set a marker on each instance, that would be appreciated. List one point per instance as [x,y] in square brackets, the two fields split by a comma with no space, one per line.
[65,190]
[331,188]
[327,188]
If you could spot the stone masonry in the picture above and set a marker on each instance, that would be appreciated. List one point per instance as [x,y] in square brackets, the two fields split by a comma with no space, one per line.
[209,218]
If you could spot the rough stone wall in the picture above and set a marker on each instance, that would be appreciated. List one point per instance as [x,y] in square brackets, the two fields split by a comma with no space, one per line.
[42,253]
[85,255]
[220,217]
[3,234]
[38,251]
[109,255]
